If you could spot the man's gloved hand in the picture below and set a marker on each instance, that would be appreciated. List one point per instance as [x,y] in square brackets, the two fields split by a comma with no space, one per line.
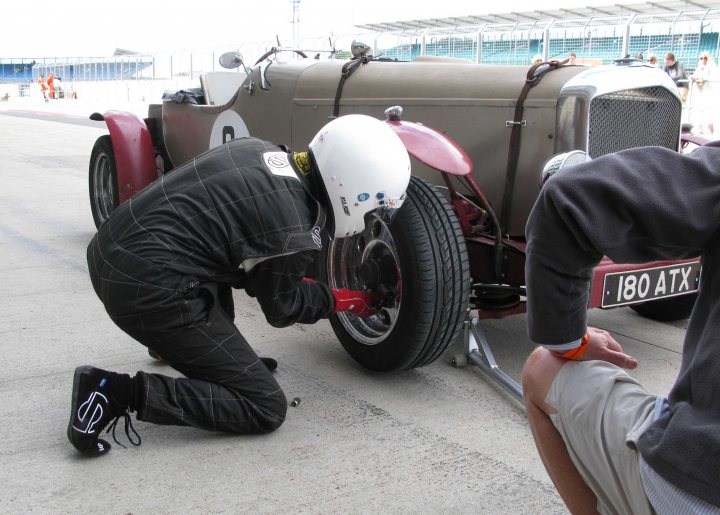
[359,303]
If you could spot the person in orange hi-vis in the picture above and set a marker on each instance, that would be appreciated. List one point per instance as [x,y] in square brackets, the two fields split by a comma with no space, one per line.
[51,84]
[43,87]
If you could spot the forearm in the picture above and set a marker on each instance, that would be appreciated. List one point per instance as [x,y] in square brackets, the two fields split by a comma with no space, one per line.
[285,297]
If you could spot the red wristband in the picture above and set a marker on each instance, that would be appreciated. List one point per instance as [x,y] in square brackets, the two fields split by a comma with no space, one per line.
[576,353]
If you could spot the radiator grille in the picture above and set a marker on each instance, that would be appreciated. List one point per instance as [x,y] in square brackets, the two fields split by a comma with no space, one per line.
[634,118]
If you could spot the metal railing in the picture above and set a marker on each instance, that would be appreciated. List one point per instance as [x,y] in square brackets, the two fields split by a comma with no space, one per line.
[702,106]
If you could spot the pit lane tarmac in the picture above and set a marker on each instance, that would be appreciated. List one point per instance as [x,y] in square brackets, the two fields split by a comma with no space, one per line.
[431,440]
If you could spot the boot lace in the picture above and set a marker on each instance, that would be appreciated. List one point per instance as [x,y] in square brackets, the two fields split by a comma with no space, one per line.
[128,427]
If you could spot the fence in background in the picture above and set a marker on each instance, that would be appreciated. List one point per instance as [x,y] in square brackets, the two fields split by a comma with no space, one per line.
[597,40]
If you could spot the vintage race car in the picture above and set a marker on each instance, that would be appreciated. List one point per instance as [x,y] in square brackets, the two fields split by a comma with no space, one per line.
[457,248]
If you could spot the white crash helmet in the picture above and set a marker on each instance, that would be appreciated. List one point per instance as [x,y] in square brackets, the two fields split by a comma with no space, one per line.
[364,166]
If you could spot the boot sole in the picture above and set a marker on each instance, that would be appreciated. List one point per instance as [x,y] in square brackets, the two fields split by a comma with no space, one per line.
[79,371]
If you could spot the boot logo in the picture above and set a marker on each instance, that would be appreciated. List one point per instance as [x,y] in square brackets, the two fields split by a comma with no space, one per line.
[90,413]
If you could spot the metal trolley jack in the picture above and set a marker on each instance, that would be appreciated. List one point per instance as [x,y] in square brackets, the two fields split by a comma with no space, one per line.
[478,352]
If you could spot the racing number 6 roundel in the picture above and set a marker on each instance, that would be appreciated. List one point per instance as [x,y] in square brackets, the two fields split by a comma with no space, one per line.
[229,125]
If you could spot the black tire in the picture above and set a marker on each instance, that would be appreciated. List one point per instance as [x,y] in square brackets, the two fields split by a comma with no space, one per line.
[667,310]
[433,283]
[103,180]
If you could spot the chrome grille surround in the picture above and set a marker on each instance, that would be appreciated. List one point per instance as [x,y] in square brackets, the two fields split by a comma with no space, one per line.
[605,109]
[633,118]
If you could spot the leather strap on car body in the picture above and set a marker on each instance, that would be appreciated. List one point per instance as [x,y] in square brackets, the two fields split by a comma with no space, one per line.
[347,70]
[533,78]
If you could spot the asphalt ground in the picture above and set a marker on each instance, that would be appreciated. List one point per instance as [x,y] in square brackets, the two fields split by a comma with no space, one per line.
[433,440]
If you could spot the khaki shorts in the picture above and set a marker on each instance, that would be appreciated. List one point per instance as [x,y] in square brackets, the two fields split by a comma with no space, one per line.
[601,413]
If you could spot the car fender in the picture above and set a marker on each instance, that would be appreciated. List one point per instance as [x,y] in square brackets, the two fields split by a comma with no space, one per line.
[432,148]
[689,137]
[134,151]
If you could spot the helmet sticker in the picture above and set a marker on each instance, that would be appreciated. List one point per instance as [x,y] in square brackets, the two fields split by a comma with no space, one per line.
[278,164]
[380,195]
[302,161]
[363,197]
[343,201]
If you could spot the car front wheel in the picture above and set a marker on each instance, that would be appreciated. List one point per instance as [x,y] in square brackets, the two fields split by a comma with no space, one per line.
[419,263]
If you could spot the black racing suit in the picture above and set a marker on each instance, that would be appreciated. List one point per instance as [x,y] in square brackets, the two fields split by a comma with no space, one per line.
[636,206]
[165,261]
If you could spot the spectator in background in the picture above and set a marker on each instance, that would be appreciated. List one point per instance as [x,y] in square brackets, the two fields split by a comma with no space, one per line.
[702,101]
[43,86]
[572,57]
[536,60]
[51,84]
[652,60]
[676,70]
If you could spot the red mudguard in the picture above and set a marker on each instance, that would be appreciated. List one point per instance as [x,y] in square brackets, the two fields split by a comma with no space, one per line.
[432,148]
[134,152]
[688,137]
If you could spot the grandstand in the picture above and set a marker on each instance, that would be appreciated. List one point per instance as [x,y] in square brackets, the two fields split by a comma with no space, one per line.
[94,69]
[598,50]
[27,70]
[598,35]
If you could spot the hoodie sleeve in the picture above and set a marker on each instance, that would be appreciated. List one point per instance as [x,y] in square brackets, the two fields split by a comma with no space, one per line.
[634,206]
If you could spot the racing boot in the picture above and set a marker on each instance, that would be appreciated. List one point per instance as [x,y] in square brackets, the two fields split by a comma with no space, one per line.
[99,397]
[269,363]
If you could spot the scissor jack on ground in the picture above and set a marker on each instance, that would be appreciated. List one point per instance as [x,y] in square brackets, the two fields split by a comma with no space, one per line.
[478,352]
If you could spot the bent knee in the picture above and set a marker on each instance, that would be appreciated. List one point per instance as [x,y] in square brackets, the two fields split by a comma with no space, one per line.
[273,421]
[273,424]
[539,373]
[274,413]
